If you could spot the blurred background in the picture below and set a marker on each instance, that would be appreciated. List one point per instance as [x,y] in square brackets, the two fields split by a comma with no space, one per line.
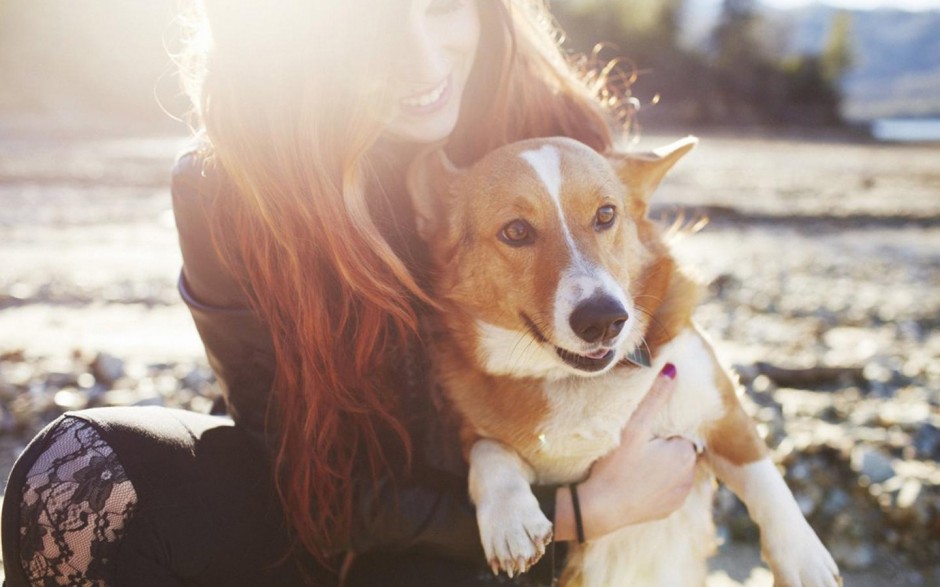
[818,171]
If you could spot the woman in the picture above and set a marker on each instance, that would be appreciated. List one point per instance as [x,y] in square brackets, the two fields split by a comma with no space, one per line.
[305,280]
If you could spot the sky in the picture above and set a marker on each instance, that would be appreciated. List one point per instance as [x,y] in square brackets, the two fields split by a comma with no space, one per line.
[862,4]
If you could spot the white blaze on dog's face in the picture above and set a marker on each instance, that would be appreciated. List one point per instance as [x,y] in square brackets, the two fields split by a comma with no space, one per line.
[536,249]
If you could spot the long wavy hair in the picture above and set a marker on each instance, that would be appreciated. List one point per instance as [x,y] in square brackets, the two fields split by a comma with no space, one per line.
[290,96]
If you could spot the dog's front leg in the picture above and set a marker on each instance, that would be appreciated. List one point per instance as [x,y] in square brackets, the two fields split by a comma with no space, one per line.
[740,459]
[513,529]
[788,543]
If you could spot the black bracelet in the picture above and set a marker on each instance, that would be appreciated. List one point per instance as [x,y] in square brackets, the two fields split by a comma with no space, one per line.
[576,504]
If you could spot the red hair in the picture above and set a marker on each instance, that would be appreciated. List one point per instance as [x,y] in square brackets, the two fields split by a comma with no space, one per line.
[296,133]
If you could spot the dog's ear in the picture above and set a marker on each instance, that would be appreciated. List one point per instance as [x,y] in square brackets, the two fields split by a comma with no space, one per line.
[430,177]
[642,172]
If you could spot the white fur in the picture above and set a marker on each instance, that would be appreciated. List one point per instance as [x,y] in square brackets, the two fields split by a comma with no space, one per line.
[517,354]
[546,161]
[588,414]
[513,529]
[790,546]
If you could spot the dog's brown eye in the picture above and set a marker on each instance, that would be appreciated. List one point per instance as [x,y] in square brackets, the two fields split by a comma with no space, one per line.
[517,233]
[604,217]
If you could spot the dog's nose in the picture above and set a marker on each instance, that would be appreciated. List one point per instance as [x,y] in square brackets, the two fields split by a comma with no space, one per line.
[598,318]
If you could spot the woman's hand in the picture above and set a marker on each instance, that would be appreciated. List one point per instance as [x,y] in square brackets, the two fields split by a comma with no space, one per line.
[643,479]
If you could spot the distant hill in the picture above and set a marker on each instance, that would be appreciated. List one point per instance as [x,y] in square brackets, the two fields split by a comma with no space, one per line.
[897,53]
[897,58]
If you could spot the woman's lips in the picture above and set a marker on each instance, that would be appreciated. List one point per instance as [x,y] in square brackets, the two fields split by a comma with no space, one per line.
[429,101]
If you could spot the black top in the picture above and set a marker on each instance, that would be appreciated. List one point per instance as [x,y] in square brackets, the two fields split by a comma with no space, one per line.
[427,510]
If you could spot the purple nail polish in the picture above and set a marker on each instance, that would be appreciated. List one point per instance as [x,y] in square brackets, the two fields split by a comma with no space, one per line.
[669,371]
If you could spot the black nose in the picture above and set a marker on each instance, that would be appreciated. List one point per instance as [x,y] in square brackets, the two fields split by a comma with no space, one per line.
[598,318]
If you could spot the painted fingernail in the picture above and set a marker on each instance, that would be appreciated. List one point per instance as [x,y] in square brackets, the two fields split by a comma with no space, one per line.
[669,371]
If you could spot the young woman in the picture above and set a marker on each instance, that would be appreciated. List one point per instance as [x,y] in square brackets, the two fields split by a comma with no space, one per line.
[305,279]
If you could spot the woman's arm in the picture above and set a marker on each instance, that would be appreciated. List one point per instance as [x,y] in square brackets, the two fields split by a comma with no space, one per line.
[237,342]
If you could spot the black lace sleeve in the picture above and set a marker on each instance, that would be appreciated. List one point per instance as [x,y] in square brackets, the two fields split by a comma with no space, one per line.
[75,503]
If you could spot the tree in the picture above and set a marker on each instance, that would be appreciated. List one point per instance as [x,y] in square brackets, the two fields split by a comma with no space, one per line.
[734,39]
[837,56]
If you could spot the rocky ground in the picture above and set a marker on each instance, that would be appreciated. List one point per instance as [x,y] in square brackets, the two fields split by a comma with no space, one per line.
[822,255]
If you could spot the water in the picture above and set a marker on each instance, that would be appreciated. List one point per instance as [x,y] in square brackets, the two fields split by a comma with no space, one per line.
[906,129]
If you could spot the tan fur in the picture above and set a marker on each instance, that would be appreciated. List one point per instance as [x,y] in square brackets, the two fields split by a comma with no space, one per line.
[733,436]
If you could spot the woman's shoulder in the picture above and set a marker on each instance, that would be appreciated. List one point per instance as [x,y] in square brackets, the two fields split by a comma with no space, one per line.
[195,176]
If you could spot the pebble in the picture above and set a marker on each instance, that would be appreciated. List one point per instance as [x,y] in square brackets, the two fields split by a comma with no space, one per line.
[872,464]
[851,556]
[927,442]
[70,399]
[107,368]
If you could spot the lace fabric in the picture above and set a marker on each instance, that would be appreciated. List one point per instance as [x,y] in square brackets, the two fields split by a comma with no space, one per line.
[75,505]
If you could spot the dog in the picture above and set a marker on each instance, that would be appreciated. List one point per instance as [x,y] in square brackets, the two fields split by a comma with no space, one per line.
[559,304]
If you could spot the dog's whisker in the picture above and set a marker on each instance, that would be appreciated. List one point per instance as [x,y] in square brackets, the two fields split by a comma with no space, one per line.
[652,319]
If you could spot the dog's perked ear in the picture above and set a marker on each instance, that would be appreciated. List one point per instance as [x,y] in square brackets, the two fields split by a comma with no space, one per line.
[430,177]
[641,173]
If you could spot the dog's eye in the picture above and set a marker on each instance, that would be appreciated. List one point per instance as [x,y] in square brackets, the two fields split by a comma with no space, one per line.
[517,233]
[604,217]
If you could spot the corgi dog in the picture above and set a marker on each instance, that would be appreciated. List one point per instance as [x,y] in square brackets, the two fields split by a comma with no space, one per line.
[560,304]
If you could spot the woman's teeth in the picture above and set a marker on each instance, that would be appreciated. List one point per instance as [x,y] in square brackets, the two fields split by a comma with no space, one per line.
[426,99]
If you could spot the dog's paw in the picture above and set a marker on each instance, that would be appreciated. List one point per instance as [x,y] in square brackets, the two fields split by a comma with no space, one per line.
[801,560]
[514,531]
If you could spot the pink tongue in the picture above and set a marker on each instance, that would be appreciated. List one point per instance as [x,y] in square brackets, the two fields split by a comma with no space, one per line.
[598,354]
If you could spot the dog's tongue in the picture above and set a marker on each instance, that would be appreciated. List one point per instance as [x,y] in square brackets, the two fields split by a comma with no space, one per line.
[599,354]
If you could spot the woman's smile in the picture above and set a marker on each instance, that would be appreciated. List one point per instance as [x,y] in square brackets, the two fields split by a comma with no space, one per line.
[429,101]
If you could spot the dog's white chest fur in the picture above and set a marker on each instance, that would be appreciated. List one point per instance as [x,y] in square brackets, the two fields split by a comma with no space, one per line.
[587,415]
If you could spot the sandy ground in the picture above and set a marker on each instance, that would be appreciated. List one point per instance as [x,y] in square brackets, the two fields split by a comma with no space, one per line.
[89,259]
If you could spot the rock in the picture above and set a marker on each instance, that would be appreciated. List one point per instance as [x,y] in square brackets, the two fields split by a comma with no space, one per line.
[166,385]
[907,415]
[60,379]
[872,464]
[120,397]
[153,400]
[927,442]
[18,374]
[70,399]
[107,368]
[746,372]
[912,504]
[878,376]
[853,344]
[808,499]
[851,555]
[85,380]
[13,356]
[836,502]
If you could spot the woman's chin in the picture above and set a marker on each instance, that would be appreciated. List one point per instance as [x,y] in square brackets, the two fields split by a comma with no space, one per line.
[416,129]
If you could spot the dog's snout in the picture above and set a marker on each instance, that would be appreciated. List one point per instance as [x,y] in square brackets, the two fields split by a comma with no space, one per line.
[598,318]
